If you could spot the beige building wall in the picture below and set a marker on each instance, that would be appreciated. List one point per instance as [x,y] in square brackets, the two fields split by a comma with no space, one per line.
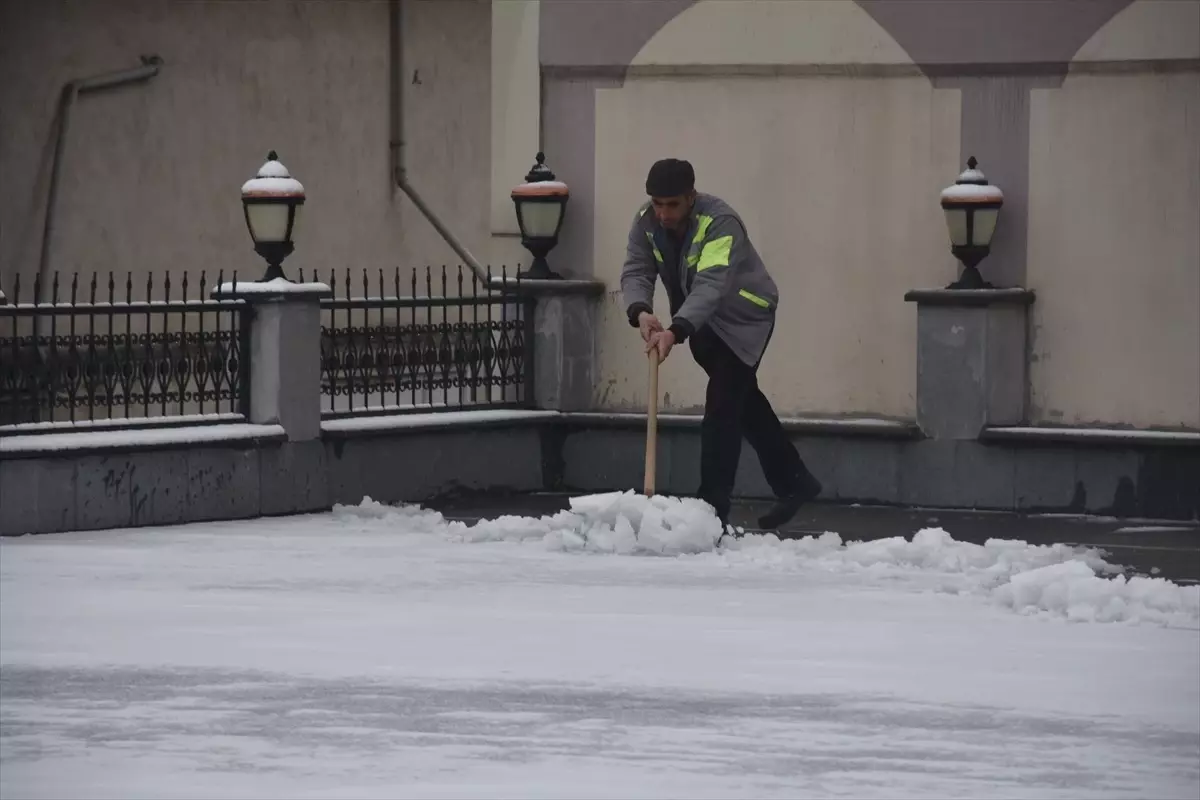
[151,173]
[1114,227]
[515,104]
[836,174]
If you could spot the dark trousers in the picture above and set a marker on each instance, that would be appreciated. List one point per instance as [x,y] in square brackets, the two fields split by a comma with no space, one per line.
[734,408]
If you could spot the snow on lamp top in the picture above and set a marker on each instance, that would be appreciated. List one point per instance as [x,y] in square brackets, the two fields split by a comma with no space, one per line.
[273,180]
[541,182]
[972,188]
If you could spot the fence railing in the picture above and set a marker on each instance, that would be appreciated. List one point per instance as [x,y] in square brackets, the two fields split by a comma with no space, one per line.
[101,354]
[424,341]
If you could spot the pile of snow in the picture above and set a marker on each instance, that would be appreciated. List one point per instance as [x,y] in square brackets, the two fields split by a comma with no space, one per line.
[412,518]
[1074,591]
[1060,581]
[622,523]
[932,550]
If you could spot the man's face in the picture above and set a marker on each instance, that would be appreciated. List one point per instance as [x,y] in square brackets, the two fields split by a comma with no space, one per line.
[672,212]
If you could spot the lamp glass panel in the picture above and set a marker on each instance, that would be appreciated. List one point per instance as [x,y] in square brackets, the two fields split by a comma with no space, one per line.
[956,223]
[540,219]
[268,221]
[985,225]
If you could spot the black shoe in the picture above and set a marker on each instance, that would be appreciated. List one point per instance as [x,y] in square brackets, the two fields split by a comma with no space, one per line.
[786,507]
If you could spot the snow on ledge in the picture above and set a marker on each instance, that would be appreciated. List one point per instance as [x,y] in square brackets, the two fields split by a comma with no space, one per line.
[133,439]
[434,419]
[273,286]
[66,426]
[1094,434]
[404,418]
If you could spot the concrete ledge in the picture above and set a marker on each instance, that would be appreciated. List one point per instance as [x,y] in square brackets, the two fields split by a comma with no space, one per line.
[1124,437]
[414,464]
[48,445]
[159,484]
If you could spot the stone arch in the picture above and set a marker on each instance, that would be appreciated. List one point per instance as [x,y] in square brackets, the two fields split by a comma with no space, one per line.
[1147,30]
[736,32]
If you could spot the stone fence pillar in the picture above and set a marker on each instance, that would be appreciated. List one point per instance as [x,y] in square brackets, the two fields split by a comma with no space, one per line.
[972,360]
[564,342]
[285,353]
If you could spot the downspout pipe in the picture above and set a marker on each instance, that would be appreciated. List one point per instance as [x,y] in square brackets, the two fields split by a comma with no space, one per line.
[70,91]
[396,143]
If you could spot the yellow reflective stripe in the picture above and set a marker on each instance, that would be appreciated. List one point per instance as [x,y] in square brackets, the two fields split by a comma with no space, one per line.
[715,254]
[753,298]
[702,228]
[657,255]
[692,259]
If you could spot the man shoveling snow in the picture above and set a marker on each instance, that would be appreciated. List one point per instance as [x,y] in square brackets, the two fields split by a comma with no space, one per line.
[723,301]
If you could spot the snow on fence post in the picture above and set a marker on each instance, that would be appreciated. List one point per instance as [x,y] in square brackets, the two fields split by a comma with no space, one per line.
[285,353]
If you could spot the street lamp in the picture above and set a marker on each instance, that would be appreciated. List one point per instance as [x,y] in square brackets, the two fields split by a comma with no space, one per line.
[541,203]
[972,207]
[272,201]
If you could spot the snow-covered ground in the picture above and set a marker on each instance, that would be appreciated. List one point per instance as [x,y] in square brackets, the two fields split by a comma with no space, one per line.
[376,652]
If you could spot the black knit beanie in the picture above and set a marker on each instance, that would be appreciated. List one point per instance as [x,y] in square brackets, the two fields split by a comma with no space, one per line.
[670,177]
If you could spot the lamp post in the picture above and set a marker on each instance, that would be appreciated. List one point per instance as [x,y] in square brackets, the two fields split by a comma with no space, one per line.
[271,201]
[541,203]
[972,208]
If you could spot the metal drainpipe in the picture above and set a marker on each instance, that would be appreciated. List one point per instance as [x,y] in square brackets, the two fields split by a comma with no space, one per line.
[71,90]
[399,171]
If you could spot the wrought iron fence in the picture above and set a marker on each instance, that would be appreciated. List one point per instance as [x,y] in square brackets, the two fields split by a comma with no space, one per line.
[393,350]
[91,354]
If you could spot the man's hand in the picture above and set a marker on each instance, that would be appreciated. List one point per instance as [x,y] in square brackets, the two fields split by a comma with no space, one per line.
[648,325]
[662,341]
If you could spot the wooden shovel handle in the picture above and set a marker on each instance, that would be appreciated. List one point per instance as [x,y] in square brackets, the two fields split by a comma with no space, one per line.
[652,427]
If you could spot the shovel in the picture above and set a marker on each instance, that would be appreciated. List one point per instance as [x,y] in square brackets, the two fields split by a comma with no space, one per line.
[652,427]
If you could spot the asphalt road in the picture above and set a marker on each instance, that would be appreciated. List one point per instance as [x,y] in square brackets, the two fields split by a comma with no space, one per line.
[1167,549]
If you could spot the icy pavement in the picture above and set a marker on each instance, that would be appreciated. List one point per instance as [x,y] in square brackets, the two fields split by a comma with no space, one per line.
[376,652]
